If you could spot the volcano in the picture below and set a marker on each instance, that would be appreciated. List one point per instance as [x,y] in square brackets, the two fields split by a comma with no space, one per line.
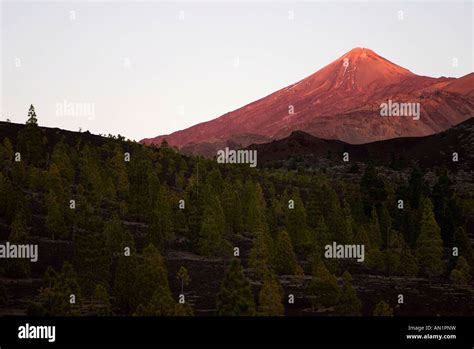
[341,101]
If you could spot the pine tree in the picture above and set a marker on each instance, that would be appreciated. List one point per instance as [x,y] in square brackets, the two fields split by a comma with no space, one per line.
[271,296]
[255,208]
[284,261]
[415,187]
[348,303]
[32,119]
[194,210]
[160,227]
[160,304]
[211,240]
[385,226]
[461,274]
[7,153]
[314,207]
[55,220]
[91,259]
[349,221]
[383,309]
[18,267]
[320,235]
[7,207]
[62,160]
[333,214]
[323,289]
[30,140]
[100,301]
[462,242]
[375,237]
[58,290]
[260,255]
[232,210]
[118,171]
[183,278]
[429,246]
[372,188]
[116,238]
[296,222]
[235,297]
[152,281]
[408,266]
[126,297]
[183,309]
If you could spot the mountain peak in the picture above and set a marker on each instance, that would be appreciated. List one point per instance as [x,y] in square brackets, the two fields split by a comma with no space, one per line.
[339,101]
[361,51]
[362,69]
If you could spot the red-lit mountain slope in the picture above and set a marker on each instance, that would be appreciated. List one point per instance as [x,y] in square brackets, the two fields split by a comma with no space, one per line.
[340,101]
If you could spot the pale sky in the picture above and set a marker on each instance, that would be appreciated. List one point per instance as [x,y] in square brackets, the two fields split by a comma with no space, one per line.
[142,69]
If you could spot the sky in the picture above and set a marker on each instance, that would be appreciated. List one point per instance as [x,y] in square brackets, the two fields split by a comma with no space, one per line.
[142,69]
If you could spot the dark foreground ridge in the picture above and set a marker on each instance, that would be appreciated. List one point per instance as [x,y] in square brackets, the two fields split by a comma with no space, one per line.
[428,151]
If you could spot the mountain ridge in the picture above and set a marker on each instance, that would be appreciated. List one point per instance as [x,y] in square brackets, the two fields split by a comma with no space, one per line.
[339,101]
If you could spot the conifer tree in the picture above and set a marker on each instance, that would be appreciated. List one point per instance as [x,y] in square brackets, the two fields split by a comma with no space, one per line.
[349,222]
[415,187]
[235,297]
[348,303]
[256,208]
[372,188]
[320,235]
[333,215]
[119,173]
[183,309]
[100,301]
[375,237]
[6,154]
[91,259]
[30,140]
[152,283]
[314,206]
[383,309]
[32,119]
[160,227]
[55,220]
[211,240]
[183,278]
[61,293]
[126,297]
[323,289]
[296,222]
[195,206]
[7,207]
[400,259]
[61,159]
[429,246]
[232,210]
[18,267]
[461,274]
[284,261]
[385,224]
[462,242]
[271,296]
[260,255]
[160,304]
